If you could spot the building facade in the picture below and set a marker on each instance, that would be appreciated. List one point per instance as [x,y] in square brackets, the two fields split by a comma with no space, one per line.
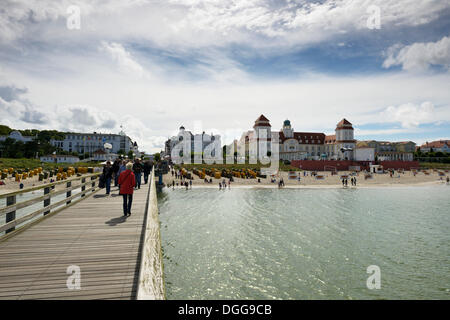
[197,143]
[302,145]
[436,146]
[391,151]
[59,159]
[92,142]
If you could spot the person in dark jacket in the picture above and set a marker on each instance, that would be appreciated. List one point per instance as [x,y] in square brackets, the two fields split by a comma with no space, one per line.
[147,169]
[138,168]
[127,182]
[107,173]
[115,168]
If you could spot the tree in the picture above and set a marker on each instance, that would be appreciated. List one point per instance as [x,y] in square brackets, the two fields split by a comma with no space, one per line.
[5,130]
[130,154]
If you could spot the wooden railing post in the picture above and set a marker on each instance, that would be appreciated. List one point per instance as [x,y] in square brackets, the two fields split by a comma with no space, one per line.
[69,193]
[83,187]
[10,216]
[47,201]
[93,183]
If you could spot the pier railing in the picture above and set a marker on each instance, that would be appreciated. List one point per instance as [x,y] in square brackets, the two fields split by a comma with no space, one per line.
[87,183]
[151,278]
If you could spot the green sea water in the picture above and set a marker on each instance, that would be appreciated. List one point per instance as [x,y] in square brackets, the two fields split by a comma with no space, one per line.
[306,243]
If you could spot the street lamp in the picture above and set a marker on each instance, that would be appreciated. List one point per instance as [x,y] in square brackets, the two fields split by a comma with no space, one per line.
[37,151]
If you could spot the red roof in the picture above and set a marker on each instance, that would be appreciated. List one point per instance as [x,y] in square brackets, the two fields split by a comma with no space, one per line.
[330,139]
[262,122]
[318,138]
[262,118]
[344,123]
[436,144]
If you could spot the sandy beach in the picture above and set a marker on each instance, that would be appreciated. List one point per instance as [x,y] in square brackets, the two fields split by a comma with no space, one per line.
[329,181]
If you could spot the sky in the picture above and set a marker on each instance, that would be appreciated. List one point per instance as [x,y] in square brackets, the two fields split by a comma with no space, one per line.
[216,65]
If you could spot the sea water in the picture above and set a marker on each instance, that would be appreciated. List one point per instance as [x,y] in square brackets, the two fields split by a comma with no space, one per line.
[306,243]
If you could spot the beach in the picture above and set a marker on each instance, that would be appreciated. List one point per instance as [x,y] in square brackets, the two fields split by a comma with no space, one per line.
[328,181]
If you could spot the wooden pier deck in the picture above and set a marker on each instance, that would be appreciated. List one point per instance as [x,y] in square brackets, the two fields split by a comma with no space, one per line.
[92,235]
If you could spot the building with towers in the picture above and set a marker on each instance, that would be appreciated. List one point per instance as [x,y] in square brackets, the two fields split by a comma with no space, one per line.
[295,145]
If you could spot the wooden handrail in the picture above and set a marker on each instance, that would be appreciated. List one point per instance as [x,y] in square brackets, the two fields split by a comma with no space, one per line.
[11,206]
[29,202]
[14,193]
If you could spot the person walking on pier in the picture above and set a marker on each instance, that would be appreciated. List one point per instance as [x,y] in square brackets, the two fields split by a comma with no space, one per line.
[137,169]
[115,169]
[107,173]
[147,169]
[127,183]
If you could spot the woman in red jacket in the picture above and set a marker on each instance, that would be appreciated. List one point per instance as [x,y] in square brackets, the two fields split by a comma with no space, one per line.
[127,183]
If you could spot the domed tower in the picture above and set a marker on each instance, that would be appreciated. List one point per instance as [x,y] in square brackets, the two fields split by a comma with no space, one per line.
[287,129]
[345,140]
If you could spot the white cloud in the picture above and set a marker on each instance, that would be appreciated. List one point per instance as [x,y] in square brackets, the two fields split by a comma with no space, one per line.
[419,56]
[410,115]
[123,58]
[192,23]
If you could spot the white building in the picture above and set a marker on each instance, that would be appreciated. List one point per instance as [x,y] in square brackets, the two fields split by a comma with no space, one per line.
[60,158]
[302,145]
[91,142]
[363,152]
[204,141]
[101,155]
[16,135]
[341,145]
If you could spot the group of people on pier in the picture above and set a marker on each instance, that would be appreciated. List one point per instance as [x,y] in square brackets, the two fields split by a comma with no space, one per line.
[127,176]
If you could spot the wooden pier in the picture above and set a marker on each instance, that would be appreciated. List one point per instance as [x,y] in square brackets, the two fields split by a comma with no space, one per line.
[91,236]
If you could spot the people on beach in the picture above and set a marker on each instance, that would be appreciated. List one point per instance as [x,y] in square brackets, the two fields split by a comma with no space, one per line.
[127,183]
